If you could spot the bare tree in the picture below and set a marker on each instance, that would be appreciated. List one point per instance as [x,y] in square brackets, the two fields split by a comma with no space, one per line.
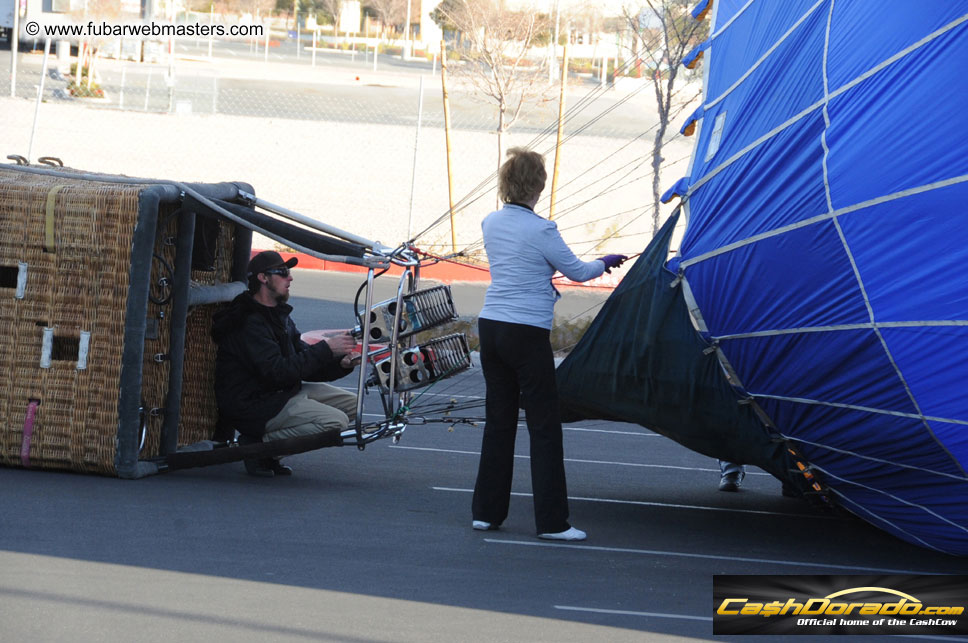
[252,7]
[666,33]
[331,9]
[89,46]
[587,20]
[390,12]
[498,64]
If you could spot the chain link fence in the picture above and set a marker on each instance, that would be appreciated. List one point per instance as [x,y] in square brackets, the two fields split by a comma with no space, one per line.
[334,136]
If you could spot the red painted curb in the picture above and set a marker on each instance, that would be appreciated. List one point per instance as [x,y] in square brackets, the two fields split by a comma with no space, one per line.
[444,271]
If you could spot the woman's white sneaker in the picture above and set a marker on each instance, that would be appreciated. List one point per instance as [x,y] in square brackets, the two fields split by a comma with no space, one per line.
[480,525]
[569,534]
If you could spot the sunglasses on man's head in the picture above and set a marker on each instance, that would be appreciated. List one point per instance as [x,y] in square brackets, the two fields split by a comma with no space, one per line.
[282,272]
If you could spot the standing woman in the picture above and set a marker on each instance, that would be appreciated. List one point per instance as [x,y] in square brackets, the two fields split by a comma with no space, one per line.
[524,250]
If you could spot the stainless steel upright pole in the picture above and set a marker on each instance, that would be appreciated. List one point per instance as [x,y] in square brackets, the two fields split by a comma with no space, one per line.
[364,358]
[395,346]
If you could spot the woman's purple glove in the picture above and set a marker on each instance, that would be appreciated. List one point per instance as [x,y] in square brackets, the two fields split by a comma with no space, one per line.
[612,261]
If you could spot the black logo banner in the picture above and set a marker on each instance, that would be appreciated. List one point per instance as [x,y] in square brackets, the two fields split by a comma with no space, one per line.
[824,605]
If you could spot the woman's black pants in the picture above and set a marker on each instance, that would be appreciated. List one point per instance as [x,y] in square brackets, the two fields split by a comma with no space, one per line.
[519,367]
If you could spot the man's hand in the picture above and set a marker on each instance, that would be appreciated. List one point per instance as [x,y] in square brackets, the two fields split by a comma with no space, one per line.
[332,332]
[350,360]
[341,344]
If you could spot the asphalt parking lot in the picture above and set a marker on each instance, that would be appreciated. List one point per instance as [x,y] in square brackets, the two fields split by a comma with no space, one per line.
[377,545]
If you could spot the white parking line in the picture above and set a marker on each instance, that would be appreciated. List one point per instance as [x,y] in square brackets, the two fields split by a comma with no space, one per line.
[643,503]
[465,397]
[637,433]
[571,608]
[397,446]
[678,554]
[581,461]
[527,457]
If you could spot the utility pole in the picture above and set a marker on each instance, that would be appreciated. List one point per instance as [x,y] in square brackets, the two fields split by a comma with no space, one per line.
[561,129]
[450,174]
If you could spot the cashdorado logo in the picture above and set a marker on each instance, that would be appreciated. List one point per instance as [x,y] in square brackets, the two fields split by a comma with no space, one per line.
[826,606]
[867,609]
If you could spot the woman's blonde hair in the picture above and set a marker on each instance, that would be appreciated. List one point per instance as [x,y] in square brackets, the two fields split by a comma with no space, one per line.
[522,177]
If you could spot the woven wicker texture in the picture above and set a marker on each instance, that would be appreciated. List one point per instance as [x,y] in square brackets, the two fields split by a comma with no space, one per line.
[75,236]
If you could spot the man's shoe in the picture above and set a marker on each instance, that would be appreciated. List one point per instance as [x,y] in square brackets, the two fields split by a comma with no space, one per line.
[789,491]
[569,534]
[277,467]
[481,525]
[730,482]
[258,467]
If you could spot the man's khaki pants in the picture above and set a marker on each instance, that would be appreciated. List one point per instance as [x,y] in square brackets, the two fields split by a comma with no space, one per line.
[316,408]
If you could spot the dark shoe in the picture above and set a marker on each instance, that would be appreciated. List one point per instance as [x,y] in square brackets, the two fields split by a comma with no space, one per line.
[789,491]
[278,468]
[258,467]
[730,482]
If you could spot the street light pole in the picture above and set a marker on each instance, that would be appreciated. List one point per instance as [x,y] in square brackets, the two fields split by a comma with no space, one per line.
[295,24]
[211,21]
[14,48]
[406,34]
[554,46]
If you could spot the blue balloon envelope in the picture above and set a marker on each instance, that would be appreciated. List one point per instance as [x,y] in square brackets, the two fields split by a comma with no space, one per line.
[824,258]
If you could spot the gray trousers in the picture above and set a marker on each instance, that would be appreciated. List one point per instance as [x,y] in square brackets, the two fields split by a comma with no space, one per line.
[316,408]
[726,467]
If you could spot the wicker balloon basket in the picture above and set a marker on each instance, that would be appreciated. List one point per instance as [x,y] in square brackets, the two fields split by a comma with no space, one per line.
[105,360]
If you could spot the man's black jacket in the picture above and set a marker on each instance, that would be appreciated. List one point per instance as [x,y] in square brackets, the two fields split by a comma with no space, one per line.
[262,362]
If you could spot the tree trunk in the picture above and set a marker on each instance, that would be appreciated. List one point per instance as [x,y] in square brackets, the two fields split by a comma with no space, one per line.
[656,164]
[664,104]
[90,69]
[78,73]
